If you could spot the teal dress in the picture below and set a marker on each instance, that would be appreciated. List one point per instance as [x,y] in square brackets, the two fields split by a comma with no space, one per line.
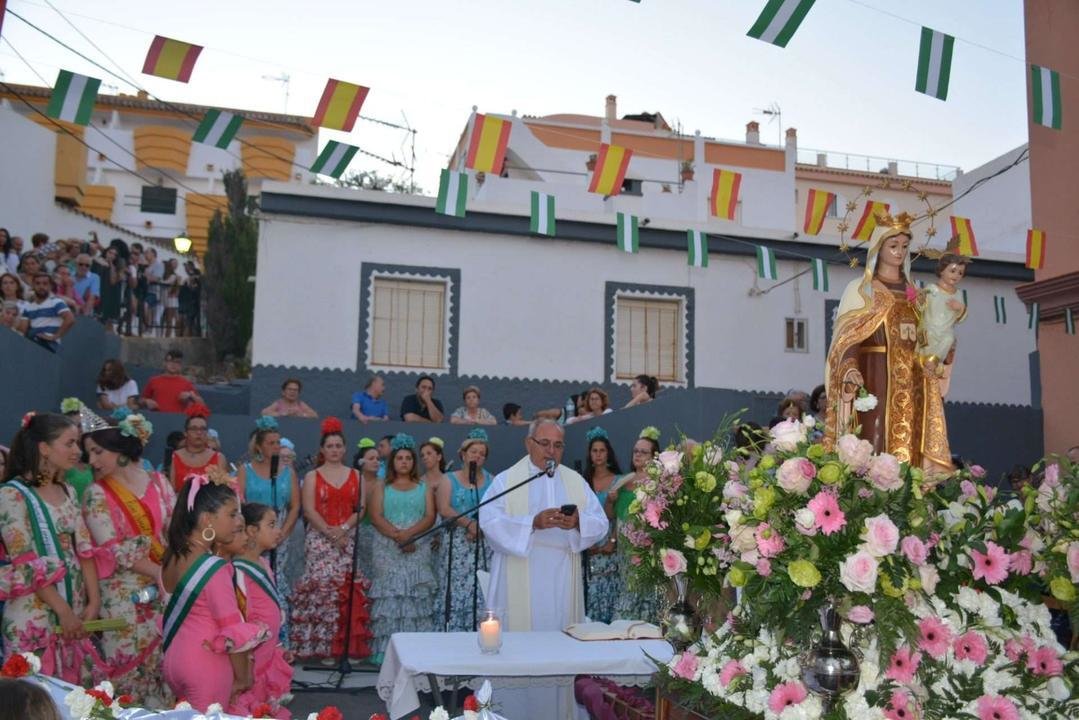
[289,562]
[457,568]
[604,581]
[403,585]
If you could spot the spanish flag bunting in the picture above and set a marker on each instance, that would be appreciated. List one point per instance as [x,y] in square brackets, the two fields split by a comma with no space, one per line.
[487,146]
[963,232]
[817,205]
[1035,249]
[171,59]
[610,172]
[868,222]
[724,198]
[340,105]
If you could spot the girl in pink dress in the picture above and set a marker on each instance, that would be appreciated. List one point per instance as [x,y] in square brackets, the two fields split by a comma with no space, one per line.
[207,641]
[273,674]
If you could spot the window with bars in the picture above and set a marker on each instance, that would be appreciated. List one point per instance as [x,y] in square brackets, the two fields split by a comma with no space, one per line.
[649,340]
[408,323]
[797,335]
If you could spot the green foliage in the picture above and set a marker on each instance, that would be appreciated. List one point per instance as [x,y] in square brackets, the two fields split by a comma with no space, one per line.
[230,260]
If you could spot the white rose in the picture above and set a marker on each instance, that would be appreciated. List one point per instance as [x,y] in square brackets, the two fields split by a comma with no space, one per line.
[79,703]
[713,454]
[787,434]
[865,404]
[732,518]
[671,461]
[33,661]
[858,572]
[809,421]
[806,520]
[1059,689]
[215,709]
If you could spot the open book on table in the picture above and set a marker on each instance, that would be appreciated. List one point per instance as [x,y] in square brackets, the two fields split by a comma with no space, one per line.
[617,630]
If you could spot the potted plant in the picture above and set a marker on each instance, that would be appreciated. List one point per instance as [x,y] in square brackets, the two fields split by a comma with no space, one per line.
[686,170]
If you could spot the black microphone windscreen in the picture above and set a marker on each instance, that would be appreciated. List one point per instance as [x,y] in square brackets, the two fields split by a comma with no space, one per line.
[275,463]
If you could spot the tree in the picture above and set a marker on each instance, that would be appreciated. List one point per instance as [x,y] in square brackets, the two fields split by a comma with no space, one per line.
[372,180]
[230,260]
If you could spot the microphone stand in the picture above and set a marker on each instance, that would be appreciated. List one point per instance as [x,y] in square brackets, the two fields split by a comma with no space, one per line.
[449,575]
[275,461]
[476,543]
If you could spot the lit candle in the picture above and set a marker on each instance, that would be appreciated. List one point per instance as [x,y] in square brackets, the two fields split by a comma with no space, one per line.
[490,634]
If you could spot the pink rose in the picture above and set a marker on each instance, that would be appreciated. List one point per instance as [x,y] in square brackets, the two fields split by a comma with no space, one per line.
[860,614]
[670,460]
[914,549]
[968,489]
[977,471]
[881,536]
[733,490]
[1073,561]
[855,452]
[764,567]
[674,562]
[884,472]
[787,435]
[1052,475]
[795,474]
[686,666]
[858,573]
[769,542]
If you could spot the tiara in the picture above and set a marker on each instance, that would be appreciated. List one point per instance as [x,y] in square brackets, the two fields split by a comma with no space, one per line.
[329,426]
[90,421]
[195,410]
[402,441]
[478,434]
[266,423]
[650,433]
[70,405]
[138,427]
[596,433]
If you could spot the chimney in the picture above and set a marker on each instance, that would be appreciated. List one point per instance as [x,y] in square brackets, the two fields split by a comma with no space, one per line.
[142,95]
[792,138]
[612,108]
[822,159]
[753,133]
[893,168]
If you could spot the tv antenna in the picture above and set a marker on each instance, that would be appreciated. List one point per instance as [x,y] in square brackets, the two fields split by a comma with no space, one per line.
[775,114]
[284,78]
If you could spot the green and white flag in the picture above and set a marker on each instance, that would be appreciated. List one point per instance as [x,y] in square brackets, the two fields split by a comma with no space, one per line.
[1001,311]
[452,193]
[73,98]
[1069,321]
[1034,317]
[820,275]
[218,128]
[934,63]
[542,222]
[766,263]
[779,20]
[697,242]
[628,233]
[1045,88]
[334,158]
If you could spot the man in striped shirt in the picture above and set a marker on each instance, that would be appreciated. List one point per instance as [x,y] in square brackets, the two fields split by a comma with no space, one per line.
[49,316]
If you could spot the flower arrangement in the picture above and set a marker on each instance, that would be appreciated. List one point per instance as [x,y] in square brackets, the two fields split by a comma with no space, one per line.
[330,712]
[97,703]
[20,665]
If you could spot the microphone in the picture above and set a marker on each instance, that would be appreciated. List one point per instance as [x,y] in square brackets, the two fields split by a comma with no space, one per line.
[275,462]
[472,473]
[549,467]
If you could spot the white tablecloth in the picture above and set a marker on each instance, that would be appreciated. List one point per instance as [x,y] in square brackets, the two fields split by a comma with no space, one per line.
[552,656]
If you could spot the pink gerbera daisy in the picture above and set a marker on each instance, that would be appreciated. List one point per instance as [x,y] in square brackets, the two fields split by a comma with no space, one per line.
[899,707]
[1044,661]
[995,707]
[936,637]
[825,507]
[903,665]
[971,646]
[730,671]
[785,695]
[992,565]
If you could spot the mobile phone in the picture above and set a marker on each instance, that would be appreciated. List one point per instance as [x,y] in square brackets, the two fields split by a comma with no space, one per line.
[568,509]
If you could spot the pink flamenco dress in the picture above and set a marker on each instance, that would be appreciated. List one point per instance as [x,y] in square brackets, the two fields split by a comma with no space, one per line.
[203,625]
[273,675]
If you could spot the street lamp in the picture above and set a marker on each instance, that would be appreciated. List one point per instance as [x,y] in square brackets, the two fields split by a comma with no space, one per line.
[182,243]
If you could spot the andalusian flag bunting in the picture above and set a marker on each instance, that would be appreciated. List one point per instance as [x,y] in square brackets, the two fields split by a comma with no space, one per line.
[868,222]
[934,63]
[817,205]
[1034,316]
[963,231]
[1035,249]
[1045,89]
[723,200]
[697,243]
[218,128]
[73,98]
[628,233]
[1001,311]
[334,158]
[171,59]
[487,146]
[543,222]
[779,20]
[452,193]
[766,263]
[340,105]
[611,165]
[1069,321]
[820,275]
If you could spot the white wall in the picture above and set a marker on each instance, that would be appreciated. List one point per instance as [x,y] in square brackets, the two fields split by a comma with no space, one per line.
[534,308]
[999,209]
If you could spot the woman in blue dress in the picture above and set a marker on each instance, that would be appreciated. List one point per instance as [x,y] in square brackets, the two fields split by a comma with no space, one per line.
[403,585]
[603,585]
[458,567]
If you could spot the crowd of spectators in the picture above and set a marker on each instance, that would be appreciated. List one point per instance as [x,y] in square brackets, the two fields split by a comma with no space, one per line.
[128,288]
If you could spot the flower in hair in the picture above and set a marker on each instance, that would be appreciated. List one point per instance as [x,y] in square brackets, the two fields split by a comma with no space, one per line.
[138,427]
[266,422]
[120,413]
[478,434]
[195,410]
[402,441]
[596,433]
[437,442]
[365,443]
[70,405]
[214,474]
[26,419]
[332,425]
[651,433]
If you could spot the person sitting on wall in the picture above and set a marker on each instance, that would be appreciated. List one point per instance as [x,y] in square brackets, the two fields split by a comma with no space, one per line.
[170,392]
[596,403]
[290,404]
[422,406]
[471,413]
[369,404]
[515,416]
[643,390]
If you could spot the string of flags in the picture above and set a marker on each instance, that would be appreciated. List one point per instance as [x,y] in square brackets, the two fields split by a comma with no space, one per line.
[766,263]
[963,231]
[934,63]
[1035,249]
[487,144]
[697,245]
[72,98]
[1000,309]
[628,231]
[723,200]
[612,161]
[171,59]
[452,193]
[334,158]
[868,222]
[817,204]
[543,218]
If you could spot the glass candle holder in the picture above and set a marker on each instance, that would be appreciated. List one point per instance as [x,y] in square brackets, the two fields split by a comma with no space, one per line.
[489,633]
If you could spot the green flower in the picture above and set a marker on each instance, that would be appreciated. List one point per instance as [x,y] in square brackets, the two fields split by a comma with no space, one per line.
[815,451]
[830,473]
[703,539]
[1062,589]
[763,500]
[803,573]
[767,462]
[737,577]
[706,482]
[634,507]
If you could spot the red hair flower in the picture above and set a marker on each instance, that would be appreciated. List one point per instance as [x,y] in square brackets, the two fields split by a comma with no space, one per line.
[262,711]
[15,667]
[26,419]
[331,425]
[471,703]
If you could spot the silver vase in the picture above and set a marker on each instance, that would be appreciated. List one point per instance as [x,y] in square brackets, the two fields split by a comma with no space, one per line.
[830,669]
[681,623]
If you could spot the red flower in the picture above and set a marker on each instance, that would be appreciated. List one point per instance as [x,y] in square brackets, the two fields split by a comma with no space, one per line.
[471,703]
[324,715]
[331,425]
[15,667]
[125,700]
[100,695]
[262,711]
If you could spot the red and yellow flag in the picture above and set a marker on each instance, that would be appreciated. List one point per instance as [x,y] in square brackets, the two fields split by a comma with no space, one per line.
[172,59]
[868,222]
[817,205]
[723,200]
[963,232]
[487,146]
[340,105]
[1035,249]
[611,166]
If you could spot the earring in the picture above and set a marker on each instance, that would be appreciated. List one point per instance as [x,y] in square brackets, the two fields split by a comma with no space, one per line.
[258,457]
[123,461]
[213,534]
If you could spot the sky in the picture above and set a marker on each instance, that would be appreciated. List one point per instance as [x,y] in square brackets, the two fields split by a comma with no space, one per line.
[845,81]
